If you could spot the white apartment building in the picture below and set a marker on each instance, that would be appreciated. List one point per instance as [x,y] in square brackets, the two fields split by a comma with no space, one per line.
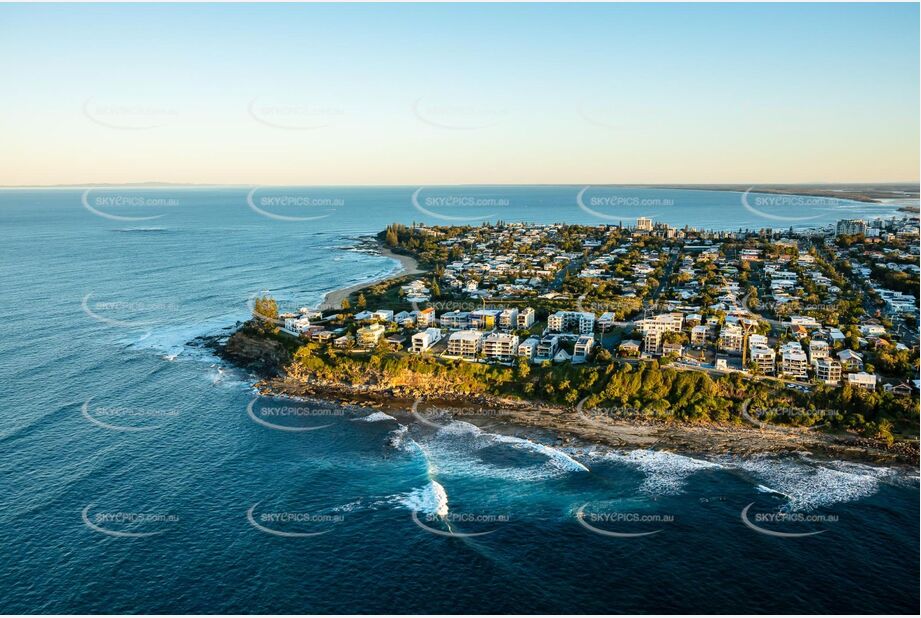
[426,339]
[526,318]
[828,370]
[296,326]
[466,343]
[644,224]
[583,348]
[818,349]
[653,329]
[528,347]
[500,345]
[699,334]
[455,319]
[508,319]
[793,360]
[731,338]
[582,322]
[547,348]
[370,335]
[763,357]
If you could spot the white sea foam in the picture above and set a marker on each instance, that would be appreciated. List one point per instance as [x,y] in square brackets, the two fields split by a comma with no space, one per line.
[458,447]
[665,473]
[809,485]
[430,500]
[375,417]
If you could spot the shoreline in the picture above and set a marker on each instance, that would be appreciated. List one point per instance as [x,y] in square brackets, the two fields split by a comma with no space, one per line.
[408,266]
[575,428]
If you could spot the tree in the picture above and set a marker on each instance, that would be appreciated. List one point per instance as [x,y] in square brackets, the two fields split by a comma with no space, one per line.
[345,304]
[362,302]
[436,291]
[265,309]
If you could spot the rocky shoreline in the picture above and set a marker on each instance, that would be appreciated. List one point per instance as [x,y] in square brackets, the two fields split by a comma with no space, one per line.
[564,426]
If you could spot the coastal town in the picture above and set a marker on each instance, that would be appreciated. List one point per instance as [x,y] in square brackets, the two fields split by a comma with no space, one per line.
[835,307]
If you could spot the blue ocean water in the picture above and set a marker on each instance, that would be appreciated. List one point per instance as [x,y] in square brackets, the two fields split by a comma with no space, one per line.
[134,478]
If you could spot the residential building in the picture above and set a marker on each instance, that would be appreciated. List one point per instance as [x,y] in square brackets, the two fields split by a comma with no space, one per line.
[500,345]
[699,334]
[629,348]
[731,338]
[653,328]
[818,349]
[794,362]
[455,319]
[583,348]
[528,347]
[370,335]
[763,357]
[850,360]
[672,348]
[828,371]
[582,322]
[644,224]
[547,347]
[466,343]
[508,319]
[862,380]
[425,340]
[383,315]
[526,318]
[850,227]
[296,326]
[425,317]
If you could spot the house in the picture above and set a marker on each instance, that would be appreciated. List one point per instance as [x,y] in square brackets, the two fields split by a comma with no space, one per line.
[672,348]
[583,348]
[424,340]
[465,343]
[629,348]
[297,326]
[502,346]
[404,318]
[370,335]
[850,360]
[828,371]
[863,380]
[383,315]
[361,316]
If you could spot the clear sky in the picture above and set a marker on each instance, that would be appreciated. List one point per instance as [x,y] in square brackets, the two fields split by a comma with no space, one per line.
[444,94]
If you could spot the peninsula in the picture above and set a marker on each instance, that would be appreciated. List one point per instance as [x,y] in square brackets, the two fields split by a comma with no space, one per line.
[644,335]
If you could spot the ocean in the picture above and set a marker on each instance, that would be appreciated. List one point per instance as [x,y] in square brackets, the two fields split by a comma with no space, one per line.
[137,476]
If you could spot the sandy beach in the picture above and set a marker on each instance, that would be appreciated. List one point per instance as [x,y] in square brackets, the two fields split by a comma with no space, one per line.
[408,266]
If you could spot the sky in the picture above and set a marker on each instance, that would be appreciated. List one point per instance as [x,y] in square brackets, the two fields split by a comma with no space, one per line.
[307,94]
